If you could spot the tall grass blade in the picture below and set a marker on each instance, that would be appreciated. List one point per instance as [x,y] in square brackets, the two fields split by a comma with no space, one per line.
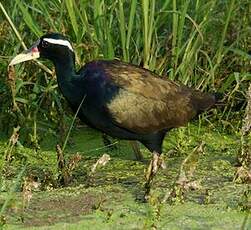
[122,28]
[71,11]
[30,22]
[12,190]
[71,126]
[130,27]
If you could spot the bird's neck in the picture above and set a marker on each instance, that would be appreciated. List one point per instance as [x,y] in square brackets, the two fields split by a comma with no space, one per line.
[66,74]
[65,68]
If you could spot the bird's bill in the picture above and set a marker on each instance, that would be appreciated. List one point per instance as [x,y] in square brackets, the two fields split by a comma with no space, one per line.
[30,54]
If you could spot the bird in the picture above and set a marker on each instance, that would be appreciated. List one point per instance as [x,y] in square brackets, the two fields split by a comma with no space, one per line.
[120,99]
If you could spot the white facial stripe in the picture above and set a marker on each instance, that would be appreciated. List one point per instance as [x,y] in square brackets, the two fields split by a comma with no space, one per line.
[59,42]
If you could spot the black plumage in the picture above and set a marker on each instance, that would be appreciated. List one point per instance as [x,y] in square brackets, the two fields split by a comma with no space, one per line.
[121,99]
[132,103]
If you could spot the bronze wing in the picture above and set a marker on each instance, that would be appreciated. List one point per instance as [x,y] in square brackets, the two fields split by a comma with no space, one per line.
[145,102]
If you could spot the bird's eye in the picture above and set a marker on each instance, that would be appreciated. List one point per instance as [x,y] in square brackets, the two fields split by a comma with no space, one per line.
[45,44]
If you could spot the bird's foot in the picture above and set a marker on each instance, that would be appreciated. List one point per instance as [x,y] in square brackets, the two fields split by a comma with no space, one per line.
[152,169]
[149,180]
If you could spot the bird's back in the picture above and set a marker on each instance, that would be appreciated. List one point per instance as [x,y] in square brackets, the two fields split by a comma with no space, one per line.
[140,101]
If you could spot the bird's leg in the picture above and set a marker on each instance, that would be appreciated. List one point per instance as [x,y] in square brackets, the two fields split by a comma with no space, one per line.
[152,169]
[136,150]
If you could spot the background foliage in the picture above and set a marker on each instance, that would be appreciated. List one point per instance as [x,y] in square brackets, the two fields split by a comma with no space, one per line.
[203,44]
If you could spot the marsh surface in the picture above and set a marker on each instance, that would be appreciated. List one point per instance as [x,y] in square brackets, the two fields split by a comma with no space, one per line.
[111,197]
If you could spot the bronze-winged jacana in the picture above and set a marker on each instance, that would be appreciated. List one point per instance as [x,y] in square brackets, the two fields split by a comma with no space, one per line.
[121,99]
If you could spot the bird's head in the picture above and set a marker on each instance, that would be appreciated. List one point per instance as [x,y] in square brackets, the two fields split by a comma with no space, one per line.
[53,46]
